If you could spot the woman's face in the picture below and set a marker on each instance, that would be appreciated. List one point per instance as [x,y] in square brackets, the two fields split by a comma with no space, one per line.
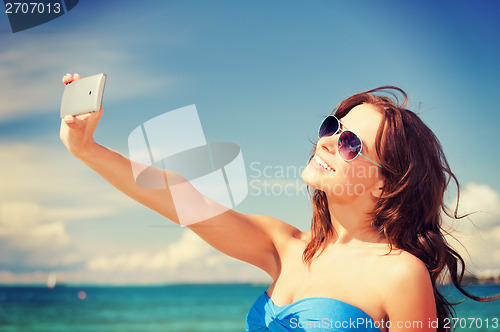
[348,179]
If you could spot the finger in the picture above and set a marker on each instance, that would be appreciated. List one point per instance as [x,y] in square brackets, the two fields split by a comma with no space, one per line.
[68,78]
[76,76]
[90,117]
[83,116]
[70,120]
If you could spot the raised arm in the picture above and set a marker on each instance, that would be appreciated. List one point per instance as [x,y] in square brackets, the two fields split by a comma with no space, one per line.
[258,240]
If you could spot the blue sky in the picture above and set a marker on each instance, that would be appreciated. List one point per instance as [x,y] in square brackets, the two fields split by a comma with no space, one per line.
[262,74]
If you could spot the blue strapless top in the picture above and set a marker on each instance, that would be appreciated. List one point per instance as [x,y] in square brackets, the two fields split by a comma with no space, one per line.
[307,315]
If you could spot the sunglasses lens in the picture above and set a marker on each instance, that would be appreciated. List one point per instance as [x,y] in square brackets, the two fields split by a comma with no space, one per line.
[329,127]
[349,145]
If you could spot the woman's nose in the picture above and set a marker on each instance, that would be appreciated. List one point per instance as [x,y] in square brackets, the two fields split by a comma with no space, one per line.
[329,143]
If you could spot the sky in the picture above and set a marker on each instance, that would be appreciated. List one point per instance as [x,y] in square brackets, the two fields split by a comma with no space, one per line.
[262,75]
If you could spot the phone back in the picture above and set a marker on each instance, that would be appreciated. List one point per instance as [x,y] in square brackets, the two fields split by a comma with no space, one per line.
[83,95]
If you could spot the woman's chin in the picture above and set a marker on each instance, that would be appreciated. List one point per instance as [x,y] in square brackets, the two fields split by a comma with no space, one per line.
[313,177]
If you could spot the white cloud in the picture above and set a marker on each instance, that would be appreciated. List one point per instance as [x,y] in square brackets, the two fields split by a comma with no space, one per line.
[188,249]
[40,191]
[479,236]
[36,277]
[30,243]
[52,177]
[189,259]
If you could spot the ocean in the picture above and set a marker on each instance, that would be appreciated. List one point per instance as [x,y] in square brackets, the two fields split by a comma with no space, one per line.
[172,308]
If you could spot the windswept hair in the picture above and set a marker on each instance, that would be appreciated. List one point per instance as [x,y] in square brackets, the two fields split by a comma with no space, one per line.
[409,210]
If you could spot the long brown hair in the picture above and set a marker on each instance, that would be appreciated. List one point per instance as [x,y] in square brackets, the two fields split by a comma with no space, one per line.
[409,210]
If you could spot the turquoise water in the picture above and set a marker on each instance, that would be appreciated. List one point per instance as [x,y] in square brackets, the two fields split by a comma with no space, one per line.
[172,308]
[472,315]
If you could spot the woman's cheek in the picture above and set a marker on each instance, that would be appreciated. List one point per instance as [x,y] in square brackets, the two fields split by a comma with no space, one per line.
[361,178]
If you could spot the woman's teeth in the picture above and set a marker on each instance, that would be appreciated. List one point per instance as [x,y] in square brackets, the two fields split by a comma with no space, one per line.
[322,163]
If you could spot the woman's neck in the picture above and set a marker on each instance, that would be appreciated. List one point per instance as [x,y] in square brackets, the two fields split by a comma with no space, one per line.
[351,221]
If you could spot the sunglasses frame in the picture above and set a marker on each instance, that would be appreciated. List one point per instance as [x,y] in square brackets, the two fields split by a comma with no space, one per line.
[338,141]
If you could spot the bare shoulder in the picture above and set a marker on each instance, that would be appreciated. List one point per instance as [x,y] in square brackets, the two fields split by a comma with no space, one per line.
[403,264]
[401,269]
[407,291]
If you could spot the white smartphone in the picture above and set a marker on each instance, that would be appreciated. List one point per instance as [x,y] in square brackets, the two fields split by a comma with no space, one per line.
[83,95]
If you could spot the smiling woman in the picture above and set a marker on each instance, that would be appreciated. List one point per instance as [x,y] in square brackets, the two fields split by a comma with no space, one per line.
[375,251]
[406,203]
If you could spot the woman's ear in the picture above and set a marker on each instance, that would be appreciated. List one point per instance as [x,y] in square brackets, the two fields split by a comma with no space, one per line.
[377,188]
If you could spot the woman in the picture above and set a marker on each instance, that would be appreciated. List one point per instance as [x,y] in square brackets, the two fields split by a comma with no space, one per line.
[375,251]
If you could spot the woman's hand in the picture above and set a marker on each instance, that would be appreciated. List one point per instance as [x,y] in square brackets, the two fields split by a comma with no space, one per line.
[77,131]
